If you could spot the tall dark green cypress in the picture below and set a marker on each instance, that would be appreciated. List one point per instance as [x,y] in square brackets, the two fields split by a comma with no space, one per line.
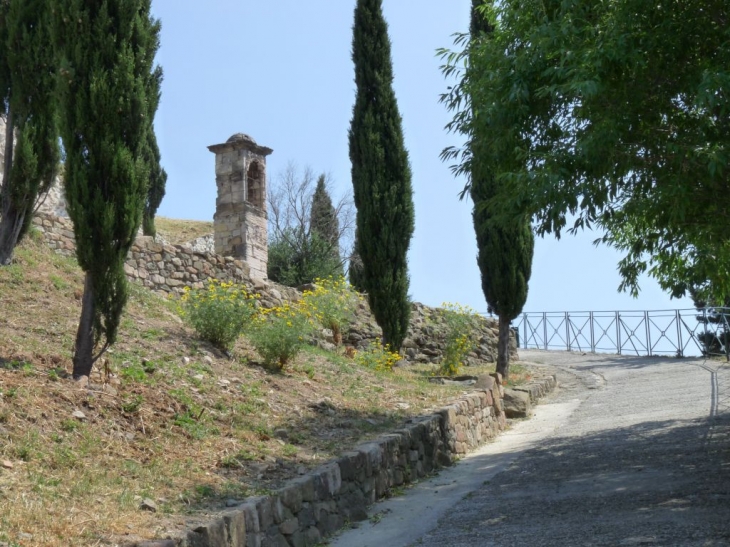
[381,176]
[157,182]
[323,223]
[505,249]
[28,99]
[109,92]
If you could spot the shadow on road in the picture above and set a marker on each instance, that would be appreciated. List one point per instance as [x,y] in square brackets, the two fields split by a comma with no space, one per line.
[654,483]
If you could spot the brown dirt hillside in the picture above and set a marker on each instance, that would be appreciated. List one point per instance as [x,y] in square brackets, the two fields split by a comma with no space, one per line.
[166,418]
[176,231]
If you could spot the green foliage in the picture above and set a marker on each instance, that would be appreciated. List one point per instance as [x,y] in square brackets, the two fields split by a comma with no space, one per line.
[616,112]
[354,272]
[156,189]
[333,304]
[305,228]
[133,404]
[297,258]
[28,97]
[324,223]
[219,313]
[505,242]
[381,176]
[461,324]
[109,100]
[377,357]
[279,334]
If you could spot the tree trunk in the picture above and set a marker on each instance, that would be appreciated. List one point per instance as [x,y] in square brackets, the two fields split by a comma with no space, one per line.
[11,224]
[11,220]
[84,349]
[503,347]
[9,130]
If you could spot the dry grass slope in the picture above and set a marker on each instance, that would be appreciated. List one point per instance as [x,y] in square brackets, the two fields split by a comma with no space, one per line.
[165,418]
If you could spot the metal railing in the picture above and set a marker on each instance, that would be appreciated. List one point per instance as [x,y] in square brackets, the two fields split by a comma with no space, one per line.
[682,333]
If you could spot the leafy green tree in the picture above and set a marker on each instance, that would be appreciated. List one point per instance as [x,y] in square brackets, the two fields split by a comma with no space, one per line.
[324,222]
[616,112]
[505,244]
[381,176]
[156,189]
[109,92]
[28,100]
[305,228]
[296,258]
[714,336]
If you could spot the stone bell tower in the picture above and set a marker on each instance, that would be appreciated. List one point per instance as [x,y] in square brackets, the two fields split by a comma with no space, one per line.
[240,220]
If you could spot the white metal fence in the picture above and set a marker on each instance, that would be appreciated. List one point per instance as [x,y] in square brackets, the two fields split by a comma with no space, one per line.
[682,333]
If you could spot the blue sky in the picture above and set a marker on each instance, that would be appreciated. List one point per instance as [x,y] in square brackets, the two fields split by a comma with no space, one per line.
[281,72]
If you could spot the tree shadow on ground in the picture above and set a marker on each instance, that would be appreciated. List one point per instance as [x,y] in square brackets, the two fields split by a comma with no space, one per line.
[667,482]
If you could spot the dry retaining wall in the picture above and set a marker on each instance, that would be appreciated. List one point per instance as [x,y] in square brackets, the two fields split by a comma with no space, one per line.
[314,506]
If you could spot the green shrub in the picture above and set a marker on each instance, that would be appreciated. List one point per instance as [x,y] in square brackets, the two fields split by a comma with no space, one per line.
[278,334]
[461,324]
[377,357]
[219,313]
[333,304]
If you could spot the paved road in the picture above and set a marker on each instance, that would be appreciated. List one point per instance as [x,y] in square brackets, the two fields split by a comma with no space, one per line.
[628,451]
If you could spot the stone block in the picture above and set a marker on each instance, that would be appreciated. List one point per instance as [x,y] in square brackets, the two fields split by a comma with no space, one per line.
[517,404]
[291,497]
[289,526]
[352,466]
[212,534]
[235,522]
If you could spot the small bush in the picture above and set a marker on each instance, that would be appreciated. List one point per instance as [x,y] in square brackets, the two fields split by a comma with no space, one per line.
[377,357]
[278,334]
[219,313]
[333,304]
[461,323]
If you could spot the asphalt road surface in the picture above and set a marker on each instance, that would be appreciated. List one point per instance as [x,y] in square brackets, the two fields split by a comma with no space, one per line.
[628,451]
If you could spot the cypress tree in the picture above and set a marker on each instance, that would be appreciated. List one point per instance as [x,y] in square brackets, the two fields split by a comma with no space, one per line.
[354,272]
[505,247]
[381,176]
[110,90]
[156,190]
[28,99]
[323,223]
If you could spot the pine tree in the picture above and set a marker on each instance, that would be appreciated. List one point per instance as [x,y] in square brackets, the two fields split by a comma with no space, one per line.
[323,223]
[505,247]
[381,175]
[108,101]
[28,99]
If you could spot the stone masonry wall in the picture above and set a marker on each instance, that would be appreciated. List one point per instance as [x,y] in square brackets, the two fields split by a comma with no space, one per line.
[157,266]
[169,268]
[312,507]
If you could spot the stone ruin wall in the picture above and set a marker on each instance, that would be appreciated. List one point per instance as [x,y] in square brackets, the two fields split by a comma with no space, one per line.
[241,223]
[169,268]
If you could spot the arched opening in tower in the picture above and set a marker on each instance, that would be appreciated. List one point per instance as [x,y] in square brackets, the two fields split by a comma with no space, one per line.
[255,185]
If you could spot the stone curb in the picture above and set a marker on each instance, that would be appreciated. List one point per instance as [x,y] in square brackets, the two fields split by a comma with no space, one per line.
[537,389]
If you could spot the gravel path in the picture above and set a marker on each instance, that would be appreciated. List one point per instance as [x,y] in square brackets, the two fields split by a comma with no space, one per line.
[644,460]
